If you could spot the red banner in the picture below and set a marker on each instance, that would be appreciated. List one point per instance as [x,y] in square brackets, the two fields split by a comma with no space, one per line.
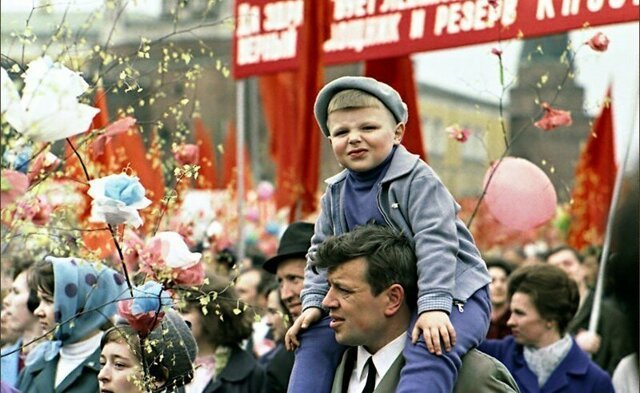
[266,38]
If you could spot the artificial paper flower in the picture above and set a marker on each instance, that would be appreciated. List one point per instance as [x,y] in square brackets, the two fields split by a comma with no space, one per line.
[187,154]
[45,163]
[599,42]
[36,210]
[18,158]
[117,199]
[12,185]
[113,129]
[49,109]
[9,98]
[144,311]
[553,118]
[167,257]
[458,133]
[131,248]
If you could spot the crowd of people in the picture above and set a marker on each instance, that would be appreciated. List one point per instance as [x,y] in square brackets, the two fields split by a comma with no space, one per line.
[385,292]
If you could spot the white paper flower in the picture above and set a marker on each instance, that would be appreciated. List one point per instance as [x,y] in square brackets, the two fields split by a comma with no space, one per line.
[49,109]
[174,251]
[9,98]
[117,199]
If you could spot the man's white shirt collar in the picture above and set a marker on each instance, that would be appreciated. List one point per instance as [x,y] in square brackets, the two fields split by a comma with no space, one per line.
[382,360]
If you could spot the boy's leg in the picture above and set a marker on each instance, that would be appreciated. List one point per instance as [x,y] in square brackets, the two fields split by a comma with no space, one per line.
[441,372]
[316,361]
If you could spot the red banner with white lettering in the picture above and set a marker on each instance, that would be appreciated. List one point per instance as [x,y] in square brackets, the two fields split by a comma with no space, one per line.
[266,38]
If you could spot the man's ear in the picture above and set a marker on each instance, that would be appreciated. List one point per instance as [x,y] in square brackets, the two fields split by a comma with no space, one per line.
[398,133]
[395,299]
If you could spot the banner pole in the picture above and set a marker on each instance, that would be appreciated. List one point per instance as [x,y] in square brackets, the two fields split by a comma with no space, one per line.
[597,296]
[240,121]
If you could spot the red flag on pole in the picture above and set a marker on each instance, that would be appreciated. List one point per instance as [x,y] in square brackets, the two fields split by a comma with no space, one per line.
[594,183]
[131,152]
[310,79]
[278,92]
[397,72]
[207,177]
[287,99]
[94,239]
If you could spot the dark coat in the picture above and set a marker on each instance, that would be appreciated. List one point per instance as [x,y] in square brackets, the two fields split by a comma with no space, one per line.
[612,328]
[40,376]
[242,374]
[278,363]
[576,373]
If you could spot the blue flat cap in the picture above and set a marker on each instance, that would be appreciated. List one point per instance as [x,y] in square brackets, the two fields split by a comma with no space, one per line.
[385,93]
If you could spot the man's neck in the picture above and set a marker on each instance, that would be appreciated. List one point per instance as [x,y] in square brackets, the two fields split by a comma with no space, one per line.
[395,326]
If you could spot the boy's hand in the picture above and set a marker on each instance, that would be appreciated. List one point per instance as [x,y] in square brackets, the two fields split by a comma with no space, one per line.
[434,325]
[308,316]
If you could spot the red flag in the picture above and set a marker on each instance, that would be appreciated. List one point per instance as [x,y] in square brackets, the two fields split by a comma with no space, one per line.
[310,80]
[594,183]
[96,238]
[277,92]
[287,99]
[129,147]
[230,171]
[207,177]
[72,166]
[397,72]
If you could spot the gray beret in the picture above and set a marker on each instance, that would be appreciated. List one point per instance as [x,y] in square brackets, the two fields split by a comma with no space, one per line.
[385,93]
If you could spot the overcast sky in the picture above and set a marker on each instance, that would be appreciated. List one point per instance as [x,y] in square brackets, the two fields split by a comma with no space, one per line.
[473,70]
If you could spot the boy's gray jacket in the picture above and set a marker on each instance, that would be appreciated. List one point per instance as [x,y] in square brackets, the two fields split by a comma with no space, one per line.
[413,200]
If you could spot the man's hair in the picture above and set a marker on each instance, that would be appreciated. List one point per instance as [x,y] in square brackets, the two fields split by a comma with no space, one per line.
[389,254]
[356,99]
[563,247]
[500,263]
[553,293]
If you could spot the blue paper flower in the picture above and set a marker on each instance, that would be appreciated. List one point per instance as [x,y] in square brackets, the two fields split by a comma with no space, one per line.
[117,199]
[149,297]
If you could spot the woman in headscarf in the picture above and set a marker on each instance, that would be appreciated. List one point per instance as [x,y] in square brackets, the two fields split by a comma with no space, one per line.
[77,298]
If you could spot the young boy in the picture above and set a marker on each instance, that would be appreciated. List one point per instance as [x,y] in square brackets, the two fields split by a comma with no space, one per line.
[382,182]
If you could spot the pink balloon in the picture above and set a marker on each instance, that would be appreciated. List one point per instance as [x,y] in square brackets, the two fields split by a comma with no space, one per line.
[520,195]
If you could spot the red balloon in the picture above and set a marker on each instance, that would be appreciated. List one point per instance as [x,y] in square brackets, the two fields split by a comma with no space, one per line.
[520,195]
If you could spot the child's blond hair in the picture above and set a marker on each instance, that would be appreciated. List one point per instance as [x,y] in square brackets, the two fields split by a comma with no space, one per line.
[356,99]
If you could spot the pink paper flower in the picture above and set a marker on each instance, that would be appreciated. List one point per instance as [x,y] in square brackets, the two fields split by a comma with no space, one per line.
[458,133]
[167,258]
[36,210]
[187,154]
[132,246]
[44,164]
[144,311]
[13,184]
[497,52]
[599,42]
[553,118]
[113,129]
